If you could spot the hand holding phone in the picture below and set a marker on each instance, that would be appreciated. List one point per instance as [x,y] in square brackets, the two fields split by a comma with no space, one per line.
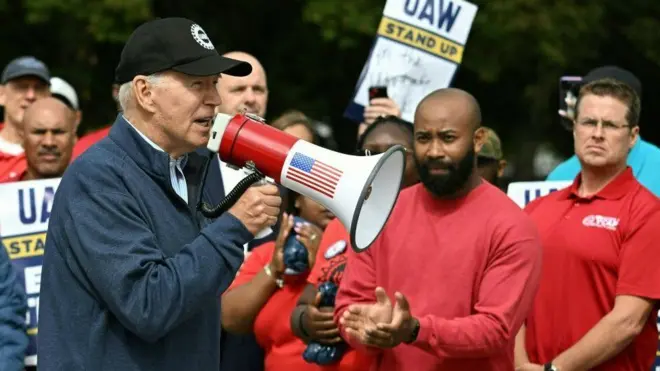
[377,92]
[568,92]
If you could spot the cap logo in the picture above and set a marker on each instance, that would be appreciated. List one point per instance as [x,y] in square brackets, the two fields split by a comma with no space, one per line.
[200,36]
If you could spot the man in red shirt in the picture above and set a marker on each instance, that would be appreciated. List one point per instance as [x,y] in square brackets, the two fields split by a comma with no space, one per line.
[600,281]
[48,137]
[459,257]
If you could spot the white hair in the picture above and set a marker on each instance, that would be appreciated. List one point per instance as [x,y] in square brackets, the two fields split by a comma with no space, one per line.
[125,95]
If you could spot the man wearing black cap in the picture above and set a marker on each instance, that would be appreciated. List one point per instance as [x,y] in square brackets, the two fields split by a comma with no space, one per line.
[644,157]
[23,81]
[132,274]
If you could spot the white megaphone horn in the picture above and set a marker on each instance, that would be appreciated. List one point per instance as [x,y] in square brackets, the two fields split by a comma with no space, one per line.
[360,190]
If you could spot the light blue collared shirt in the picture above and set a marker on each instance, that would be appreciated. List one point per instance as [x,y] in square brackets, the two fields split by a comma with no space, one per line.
[176,167]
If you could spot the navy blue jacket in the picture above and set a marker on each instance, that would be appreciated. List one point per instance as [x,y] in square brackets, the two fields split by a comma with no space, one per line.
[132,274]
[13,306]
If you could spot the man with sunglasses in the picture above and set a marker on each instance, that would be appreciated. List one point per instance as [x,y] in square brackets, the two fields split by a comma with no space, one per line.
[490,160]
[595,307]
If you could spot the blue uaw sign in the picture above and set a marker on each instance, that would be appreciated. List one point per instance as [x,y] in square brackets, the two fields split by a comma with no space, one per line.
[418,47]
[24,218]
[523,193]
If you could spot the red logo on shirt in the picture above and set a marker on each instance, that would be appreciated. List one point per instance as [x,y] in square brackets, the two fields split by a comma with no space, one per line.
[599,221]
[334,270]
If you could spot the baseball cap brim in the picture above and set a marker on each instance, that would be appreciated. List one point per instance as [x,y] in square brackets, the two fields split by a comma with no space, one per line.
[213,65]
[38,73]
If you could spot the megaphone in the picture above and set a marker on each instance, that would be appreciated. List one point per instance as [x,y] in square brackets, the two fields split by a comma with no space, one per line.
[360,190]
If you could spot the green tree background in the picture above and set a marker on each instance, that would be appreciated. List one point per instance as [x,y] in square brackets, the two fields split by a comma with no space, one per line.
[314,50]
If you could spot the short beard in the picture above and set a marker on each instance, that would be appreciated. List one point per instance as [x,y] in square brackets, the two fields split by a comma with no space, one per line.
[450,183]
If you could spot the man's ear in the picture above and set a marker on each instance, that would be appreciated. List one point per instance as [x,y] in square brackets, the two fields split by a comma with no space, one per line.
[479,138]
[500,168]
[3,95]
[634,135]
[144,93]
[77,120]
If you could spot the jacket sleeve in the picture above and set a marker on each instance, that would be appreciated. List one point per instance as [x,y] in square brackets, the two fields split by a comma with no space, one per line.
[506,293]
[148,292]
[13,308]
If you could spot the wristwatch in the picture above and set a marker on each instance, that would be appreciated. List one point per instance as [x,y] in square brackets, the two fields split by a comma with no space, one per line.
[278,281]
[415,331]
[550,367]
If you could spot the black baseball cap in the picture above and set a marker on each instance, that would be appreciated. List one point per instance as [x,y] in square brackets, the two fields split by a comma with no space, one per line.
[616,73]
[25,66]
[177,44]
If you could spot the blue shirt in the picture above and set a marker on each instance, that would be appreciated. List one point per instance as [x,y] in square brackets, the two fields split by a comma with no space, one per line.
[132,273]
[644,159]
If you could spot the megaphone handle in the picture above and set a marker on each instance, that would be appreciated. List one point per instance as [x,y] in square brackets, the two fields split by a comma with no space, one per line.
[266,231]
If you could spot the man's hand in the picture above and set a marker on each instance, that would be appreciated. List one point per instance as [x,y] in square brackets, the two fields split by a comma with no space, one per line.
[380,107]
[529,367]
[361,321]
[258,207]
[400,329]
[319,323]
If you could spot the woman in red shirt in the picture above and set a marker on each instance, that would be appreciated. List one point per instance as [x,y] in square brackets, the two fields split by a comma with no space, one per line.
[261,297]
[316,324]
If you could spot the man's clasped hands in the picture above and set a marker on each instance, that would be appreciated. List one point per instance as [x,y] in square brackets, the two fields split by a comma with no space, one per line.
[380,324]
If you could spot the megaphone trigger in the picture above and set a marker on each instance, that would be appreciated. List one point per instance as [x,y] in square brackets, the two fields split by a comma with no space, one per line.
[360,190]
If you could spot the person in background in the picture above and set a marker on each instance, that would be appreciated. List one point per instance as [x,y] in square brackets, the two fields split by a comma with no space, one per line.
[49,136]
[24,80]
[62,90]
[644,157]
[261,293]
[490,160]
[13,306]
[238,93]
[310,322]
[600,283]
[244,93]
[378,107]
[461,289]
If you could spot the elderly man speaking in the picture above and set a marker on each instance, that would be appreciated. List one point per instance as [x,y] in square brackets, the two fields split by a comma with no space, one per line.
[132,273]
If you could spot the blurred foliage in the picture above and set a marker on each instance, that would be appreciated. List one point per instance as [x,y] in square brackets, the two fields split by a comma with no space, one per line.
[314,51]
[517,51]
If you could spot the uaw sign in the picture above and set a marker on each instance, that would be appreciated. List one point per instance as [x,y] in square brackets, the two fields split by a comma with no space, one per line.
[523,193]
[418,48]
[24,218]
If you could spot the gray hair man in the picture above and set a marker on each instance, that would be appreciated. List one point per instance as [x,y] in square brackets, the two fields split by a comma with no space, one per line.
[133,272]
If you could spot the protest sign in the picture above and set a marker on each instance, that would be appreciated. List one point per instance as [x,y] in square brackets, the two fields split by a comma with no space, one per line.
[525,192]
[418,48]
[24,218]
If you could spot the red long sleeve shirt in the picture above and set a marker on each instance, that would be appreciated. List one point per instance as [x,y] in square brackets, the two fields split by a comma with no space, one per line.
[469,268]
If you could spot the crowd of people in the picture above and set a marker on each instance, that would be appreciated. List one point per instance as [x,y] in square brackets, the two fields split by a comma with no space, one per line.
[136,278]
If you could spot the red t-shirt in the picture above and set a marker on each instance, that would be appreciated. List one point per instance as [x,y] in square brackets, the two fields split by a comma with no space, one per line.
[12,168]
[469,268]
[593,250]
[88,140]
[272,326]
[330,263]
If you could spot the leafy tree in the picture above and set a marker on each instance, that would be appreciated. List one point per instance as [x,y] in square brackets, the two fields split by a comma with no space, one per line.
[314,51]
